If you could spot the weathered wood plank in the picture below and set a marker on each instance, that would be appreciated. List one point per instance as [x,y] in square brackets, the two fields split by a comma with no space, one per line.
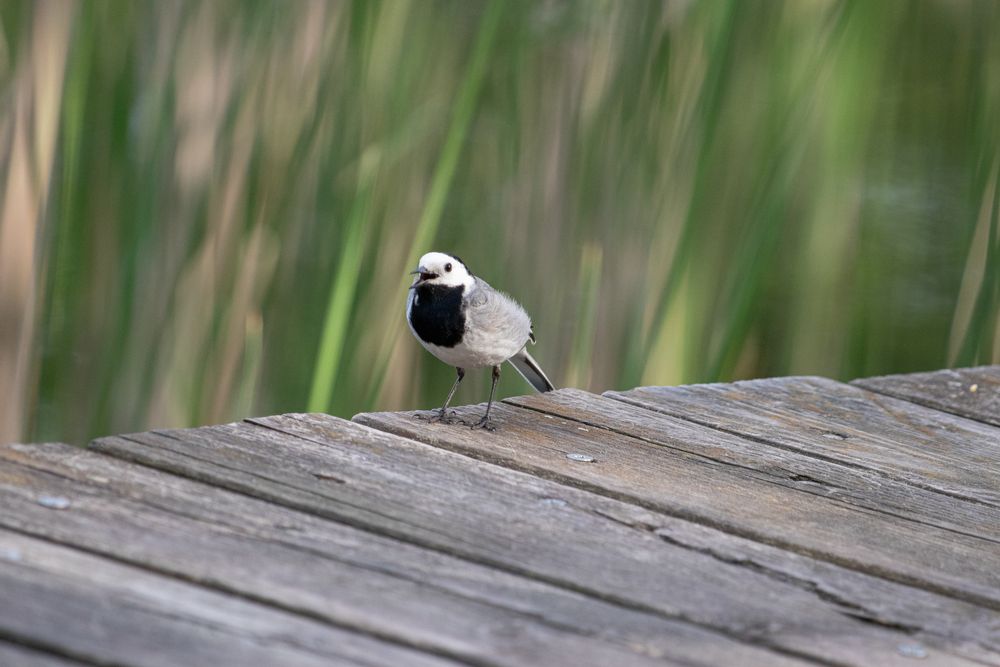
[774,465]
[968,392]
[17,655]
[731,499]
[335,573]
[100,611]
[578,540]
[827,419]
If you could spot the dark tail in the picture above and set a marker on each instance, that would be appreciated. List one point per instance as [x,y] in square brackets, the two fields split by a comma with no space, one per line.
[530,371]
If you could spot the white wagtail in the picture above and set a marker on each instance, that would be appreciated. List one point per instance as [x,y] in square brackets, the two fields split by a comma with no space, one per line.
[465,323]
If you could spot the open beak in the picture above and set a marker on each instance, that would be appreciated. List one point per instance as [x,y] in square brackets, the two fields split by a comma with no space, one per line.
[424,275]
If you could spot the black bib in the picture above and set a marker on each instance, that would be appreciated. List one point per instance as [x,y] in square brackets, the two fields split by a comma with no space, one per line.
[436,314]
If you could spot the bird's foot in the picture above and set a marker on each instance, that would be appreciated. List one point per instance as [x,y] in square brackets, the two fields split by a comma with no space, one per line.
[485,424]
[443,416]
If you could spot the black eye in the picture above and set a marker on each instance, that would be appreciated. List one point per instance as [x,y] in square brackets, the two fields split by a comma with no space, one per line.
[447,267]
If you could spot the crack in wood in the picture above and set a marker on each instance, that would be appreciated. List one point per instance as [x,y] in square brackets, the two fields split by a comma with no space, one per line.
[574,587]
[757,474]
[304,612]
[848,607]
[902,479]
[49,648]
[697,526]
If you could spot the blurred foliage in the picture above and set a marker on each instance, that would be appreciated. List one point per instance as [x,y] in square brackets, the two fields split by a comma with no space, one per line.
[210,208]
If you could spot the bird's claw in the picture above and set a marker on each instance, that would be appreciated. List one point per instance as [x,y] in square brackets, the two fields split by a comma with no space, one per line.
[443,417]
[484,424]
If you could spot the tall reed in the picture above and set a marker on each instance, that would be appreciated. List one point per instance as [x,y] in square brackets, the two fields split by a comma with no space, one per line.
[211,214]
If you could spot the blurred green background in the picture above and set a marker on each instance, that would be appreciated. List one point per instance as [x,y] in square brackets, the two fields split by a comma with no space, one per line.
[209,208]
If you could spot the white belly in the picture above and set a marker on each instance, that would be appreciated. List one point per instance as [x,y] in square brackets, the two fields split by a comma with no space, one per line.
[474,353]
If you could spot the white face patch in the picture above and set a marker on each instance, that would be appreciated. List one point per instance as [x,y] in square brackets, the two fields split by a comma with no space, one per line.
[447,271]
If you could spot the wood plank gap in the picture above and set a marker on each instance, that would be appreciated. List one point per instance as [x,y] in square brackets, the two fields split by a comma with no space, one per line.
[118,614]
[972,393]
[694,517]
[366,451]
[541,619]
[243,491]
[624,603]
[840,501]
[375,529]
[259,599]
[154,470]
[804,452]
[50,652]
[407,538]
[310,551]
[922,402]
[811,414]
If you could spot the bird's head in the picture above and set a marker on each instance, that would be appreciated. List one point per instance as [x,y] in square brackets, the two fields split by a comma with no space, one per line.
[438,268]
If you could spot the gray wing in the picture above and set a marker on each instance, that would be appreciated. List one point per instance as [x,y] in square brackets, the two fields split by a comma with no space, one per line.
[496,314]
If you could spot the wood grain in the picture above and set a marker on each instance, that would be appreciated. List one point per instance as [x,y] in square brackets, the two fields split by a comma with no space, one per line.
[968,392]
[786,522]
[774,465]
[18,655]
[337,574]
[730,499]
[577,540]
[96,610]
[825,419]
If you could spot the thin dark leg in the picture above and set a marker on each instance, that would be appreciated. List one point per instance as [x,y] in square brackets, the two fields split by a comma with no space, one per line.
[442,415]
[485,421]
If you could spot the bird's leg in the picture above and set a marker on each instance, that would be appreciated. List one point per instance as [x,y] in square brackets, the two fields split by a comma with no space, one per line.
[485,421]
[442,416]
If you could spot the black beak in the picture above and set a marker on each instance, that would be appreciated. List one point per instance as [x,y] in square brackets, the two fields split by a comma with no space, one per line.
[424,275]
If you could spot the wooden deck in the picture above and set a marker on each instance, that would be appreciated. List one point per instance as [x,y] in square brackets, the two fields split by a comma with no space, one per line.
[791,521]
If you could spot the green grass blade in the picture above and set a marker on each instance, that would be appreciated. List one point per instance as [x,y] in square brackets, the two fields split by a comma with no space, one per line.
[343,291]
[981,327]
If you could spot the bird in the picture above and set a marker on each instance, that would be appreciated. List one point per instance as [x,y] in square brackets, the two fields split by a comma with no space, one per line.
[460,319]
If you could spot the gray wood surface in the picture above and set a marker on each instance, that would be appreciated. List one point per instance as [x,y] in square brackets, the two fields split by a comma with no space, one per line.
[725,497]
[786,522]
[18,655]
[100,611]
[337,574]
[781,466]
[968,392]
[825,419]
[576,540]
